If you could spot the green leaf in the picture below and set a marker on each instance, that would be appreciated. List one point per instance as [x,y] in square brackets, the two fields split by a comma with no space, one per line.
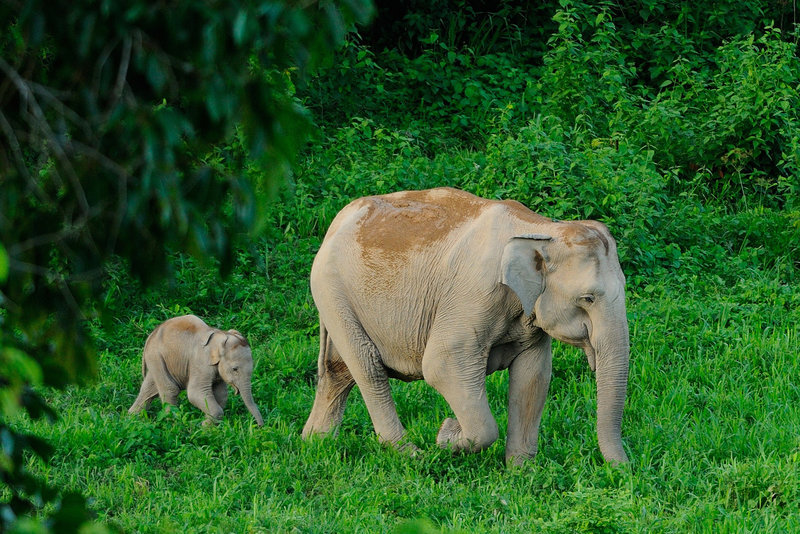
[599,19]
[240,27]
[20,368]
[3,263]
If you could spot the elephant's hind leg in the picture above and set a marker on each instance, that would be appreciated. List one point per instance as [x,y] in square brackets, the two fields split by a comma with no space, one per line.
[333,387]
[168,389]
[147,393]
[364,363]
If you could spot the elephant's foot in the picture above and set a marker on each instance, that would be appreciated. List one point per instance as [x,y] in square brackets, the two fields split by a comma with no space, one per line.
[309,431]
[519,458]
[407,448]
[402,444]
[449,434]
[452,435]
[210,421]
[319,427]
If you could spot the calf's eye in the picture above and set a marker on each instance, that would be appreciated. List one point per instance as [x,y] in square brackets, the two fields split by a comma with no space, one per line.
[588,299]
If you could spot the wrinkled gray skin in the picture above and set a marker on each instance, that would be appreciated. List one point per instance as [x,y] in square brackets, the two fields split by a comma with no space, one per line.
[186,353]
[449,287]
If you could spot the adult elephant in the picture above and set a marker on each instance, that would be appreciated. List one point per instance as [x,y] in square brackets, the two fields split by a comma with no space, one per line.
[449,287]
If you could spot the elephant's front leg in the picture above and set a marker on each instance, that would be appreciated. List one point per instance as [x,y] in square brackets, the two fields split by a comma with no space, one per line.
[221,393]
[202,396]
[528,382]
[457,369]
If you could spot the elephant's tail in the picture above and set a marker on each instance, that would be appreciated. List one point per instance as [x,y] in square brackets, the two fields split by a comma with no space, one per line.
[333,386]
[329,358]
[324,349]
[146,343]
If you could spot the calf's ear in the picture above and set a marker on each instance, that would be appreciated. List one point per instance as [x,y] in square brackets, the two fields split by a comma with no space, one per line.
[213,350]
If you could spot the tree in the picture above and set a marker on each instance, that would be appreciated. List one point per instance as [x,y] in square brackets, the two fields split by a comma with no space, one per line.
[131,129]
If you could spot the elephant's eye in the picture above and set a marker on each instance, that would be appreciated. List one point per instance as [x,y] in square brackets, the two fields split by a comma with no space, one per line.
[587,299]
[235,369]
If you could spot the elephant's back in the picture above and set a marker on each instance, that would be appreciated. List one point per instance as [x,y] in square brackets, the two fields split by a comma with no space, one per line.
[175,342]
[400,223]
[380,263]
[387,238]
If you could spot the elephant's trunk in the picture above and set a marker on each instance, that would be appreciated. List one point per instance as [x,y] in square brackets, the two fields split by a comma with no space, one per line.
[247,398]
[612,349]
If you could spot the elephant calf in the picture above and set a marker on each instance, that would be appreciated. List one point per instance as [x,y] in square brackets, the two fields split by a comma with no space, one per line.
[186,353]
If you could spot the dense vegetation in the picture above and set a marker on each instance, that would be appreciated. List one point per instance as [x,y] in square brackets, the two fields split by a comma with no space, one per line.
[117,124]
[677,126]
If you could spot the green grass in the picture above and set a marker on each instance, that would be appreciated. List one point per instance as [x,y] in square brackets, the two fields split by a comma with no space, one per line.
[712,422]
[712,427]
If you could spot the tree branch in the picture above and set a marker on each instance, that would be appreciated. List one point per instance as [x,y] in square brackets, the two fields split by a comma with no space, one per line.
[122,73]
[28,97]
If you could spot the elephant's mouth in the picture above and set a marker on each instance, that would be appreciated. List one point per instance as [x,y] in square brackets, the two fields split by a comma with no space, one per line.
[583,343]
[590,356]
[235,389]
[587,349]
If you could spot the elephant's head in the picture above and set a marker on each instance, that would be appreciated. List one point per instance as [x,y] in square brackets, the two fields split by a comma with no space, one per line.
[571,285]
[231,353]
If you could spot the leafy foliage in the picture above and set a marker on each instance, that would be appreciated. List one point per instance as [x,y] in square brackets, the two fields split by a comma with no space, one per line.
[710,119]
[132,129]
[483,27]
[676,125]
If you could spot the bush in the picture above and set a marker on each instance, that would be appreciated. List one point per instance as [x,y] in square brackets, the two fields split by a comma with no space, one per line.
[732,127]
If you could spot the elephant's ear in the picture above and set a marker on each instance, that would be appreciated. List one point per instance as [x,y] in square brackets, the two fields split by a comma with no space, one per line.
[523,268]
[213,351]
[239,337]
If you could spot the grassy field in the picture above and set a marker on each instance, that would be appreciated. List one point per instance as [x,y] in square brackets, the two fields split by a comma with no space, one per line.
[712,422]
[696,170]
[711,428]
